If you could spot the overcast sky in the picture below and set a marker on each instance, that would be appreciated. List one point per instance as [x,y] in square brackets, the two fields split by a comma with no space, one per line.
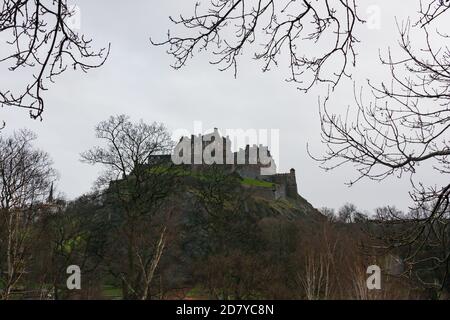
[137,80]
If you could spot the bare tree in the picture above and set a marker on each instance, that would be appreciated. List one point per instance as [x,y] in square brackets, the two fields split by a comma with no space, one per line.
[229,26]
[407,123]
[329,213]
[321,256]
[405,126]
[138,180]
[316,278]
[432,10]
[26,175]
[129,147]
[41,40]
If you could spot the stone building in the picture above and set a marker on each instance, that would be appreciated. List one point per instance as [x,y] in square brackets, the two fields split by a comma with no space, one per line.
[253,162]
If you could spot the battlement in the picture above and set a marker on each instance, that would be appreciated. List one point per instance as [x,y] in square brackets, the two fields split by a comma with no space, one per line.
[254,162]
[287,183]
[212,148]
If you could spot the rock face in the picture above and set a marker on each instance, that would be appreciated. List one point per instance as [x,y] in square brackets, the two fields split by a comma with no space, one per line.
[290,208]
[268,193]
[273,197]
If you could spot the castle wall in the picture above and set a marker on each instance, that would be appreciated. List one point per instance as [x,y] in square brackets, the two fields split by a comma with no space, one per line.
[249,171]
[287,182]
[248,163]
[280,191]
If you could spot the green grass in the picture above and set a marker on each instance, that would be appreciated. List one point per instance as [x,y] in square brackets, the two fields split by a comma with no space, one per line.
[182,172]
[257,183]
[282,204]
[197,293]
[112,292]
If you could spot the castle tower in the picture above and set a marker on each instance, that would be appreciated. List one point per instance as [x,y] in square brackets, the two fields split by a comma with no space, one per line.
[291,186]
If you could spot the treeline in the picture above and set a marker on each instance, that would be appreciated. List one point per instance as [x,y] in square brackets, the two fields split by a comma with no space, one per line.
[151,231]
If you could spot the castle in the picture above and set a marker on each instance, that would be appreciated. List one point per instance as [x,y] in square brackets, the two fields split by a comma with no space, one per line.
[254,162]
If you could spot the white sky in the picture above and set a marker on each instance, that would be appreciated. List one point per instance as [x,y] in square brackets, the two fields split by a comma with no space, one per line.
[137,80]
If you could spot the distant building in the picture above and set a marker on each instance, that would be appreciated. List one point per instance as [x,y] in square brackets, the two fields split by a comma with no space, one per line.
[254,162]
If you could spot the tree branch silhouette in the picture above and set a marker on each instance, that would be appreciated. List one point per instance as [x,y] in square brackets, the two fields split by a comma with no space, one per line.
[43,45]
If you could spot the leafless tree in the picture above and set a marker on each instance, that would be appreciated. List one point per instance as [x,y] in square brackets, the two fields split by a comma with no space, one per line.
[432,10]
[138,180]
[405,125]
[128,148]
[321,257]
[229,26]
[26,175]
[347,212]
[41,41]
[316,279]
[329,213]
